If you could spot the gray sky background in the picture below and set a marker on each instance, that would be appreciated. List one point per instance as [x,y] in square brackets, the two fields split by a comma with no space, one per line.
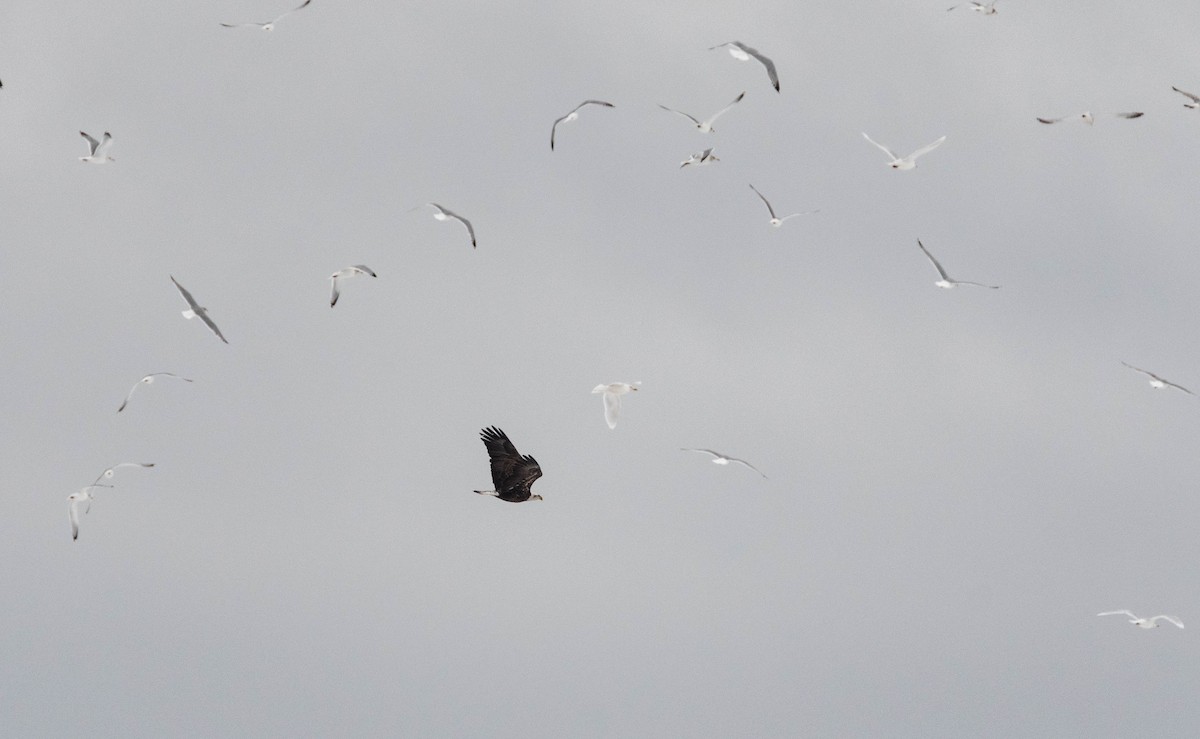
[959,481]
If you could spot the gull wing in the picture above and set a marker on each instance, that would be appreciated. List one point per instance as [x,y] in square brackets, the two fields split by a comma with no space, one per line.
[130,395]
[1177,386]
[333,293]
[612,407]
[704,451]
[112,470]
[721,112]
[885,150]
[1168,619]
[936,264]
[1048,121]
[769,208]
[212,326]
[1194,98]
[975,284]
[746,464]
[770,65]
[1117,613]
[1136,114]
[187,296]
[365,270]
[575,110]
[74,516]
[926,149]
[93,144]
[680,112]
[555,128]
[802,213]
[465,222]
[293,10]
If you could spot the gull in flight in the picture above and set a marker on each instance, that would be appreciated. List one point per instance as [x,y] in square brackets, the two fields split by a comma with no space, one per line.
[573,116]
[776,221]
[1087,117]
[443,214]
[909,161]
[1157,382]
[195,309]
[147,380]
[723,459]
[704,157]
[706,125]
[988,8]
[1144,623]
[95,155]
[612,398]
[74,500]
[108,473]
[1195,99]
[946,281]
[512,473]
[269,25]
[742,53]
[345,274]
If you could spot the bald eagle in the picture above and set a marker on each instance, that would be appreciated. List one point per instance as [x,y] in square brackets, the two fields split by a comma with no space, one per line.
[512,473]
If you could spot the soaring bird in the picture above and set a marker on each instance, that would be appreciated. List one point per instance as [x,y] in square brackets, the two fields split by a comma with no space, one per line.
[1088,118]
[1157,382]
[345,274]
[988,8]
[742,53]
[195,309]
[443,214]
[1144,623]
[723,459]
[147,380]
[946,280]
[1194,99]
[706,125]
[97,150]
[512,473]
[612,399]
[776,221]
[111,471]
[574,115]
[704,157]
[269,25]
[909,161]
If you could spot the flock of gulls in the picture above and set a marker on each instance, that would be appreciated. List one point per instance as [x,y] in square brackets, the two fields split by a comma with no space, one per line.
[513,474]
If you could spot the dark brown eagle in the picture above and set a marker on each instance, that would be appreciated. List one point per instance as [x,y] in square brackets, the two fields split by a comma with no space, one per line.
[512,473]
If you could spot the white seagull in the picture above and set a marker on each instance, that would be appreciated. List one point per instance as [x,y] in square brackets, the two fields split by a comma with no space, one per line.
[776,221]
[444,214]
[947,282]
[147,380]
[1144,623]
[1195,99]
[73,501]
[1088,118]
[345,274]
[195,309]
[723,459]
[108,473]
[988,8]
[1157,382]
[742,53]
[95,153]
[612,398]
[704,157]
[909,161]
[573,116]
[706,125]
[269,25]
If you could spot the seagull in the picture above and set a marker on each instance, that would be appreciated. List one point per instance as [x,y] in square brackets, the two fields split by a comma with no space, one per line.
[776,221]
[1157,382]
[73,501]
[612,398]
[706,125]
[443,214]
[108,473]
[947,282]
[1144,623]
[1087,117]
[574,115]
[1195,99]
[512,474]
[723,460]
[704,157]
[147,380]
[194,309]
[909,161]
[345,274]
[269,25]
[94,155]
[985,8]
[742,53]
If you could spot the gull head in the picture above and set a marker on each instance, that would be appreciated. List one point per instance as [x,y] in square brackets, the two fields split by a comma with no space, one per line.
[1087,118]
[902,164]
[268,27]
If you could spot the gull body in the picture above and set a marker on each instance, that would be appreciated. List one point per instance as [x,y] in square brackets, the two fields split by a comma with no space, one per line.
[195,309]
[345,274]
[724,459]
[97,150]
[1144,623]
[512,473]
[573,116]
[1157,382]
[269,25]
[947,282]
[1087,117]
[704,157]
[612,399]
[776,221]
[148,380]
[111,471]
[744,53]
[1193,100]
[988,8]
[443,214]
[706,124]
[74,500]
[908,162]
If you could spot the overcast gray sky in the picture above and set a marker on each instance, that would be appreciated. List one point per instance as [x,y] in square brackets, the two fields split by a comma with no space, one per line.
[958,480]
